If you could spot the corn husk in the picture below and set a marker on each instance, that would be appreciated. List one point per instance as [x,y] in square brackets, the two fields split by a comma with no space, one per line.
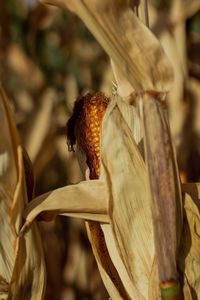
[128,208]
[22,268]
[74,200]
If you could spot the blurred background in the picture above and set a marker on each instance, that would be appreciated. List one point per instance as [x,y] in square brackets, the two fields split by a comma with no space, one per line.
[47,59]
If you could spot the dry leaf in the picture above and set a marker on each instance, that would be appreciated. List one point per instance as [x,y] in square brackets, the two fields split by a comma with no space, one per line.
[132,47]
[22,269]
[86,200]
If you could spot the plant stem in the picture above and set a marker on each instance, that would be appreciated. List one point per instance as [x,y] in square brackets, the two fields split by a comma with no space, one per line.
[171,291]
[165,187]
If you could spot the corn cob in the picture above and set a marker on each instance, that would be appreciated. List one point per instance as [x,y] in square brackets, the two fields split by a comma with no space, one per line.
[84,126]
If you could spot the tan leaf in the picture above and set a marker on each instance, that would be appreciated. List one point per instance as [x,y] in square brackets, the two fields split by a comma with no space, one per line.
[87,200]
[188,259]
[22,269]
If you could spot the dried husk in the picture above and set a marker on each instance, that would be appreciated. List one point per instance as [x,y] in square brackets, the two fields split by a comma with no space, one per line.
[86,200]
[130,199]
[22,268]
[130,251]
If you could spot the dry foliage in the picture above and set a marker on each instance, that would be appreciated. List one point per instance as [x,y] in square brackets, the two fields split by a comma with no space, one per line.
[142,230]
[22,272]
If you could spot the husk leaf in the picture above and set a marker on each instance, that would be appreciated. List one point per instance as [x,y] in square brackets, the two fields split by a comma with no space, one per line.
[86,200]
[129,207]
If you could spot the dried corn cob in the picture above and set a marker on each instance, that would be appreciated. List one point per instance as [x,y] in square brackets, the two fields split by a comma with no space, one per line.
[84,126]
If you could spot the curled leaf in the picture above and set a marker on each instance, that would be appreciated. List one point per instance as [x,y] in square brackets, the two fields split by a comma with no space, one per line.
[86,200]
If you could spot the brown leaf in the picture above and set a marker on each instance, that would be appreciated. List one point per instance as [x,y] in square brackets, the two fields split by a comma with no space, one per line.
[22,269]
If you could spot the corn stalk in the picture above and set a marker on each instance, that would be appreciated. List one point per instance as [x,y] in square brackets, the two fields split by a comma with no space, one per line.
[165,191]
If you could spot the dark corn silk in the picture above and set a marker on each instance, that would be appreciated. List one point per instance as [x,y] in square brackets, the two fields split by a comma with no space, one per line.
[84,126]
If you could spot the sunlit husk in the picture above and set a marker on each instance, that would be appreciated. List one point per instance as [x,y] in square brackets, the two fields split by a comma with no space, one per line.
[129,207]
[87,200]
[22,269]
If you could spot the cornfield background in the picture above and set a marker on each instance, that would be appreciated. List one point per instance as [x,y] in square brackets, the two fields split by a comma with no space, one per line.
[47,59]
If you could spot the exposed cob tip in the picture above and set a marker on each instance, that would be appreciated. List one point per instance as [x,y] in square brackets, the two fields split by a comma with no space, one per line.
[84,127]
[170,290]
